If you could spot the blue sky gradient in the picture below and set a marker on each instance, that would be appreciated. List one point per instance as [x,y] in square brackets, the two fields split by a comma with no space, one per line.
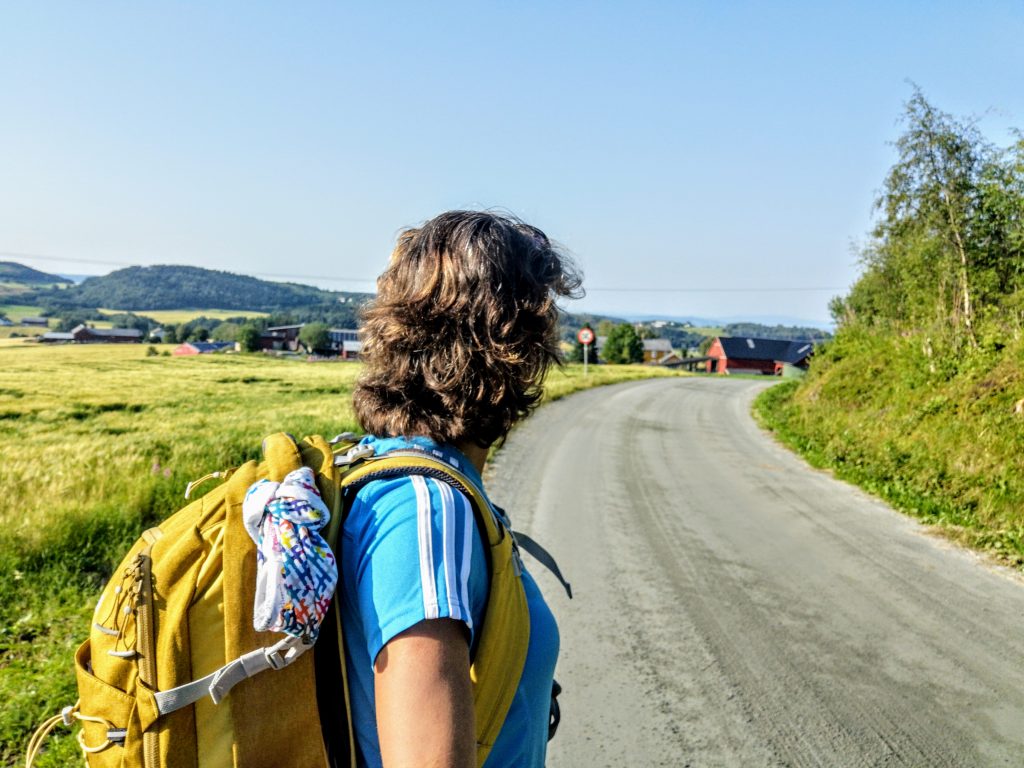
[694,146]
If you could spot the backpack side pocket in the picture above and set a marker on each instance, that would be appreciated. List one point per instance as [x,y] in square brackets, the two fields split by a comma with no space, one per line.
[107,714]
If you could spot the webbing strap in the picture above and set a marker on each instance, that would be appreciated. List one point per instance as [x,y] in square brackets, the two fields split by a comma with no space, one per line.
[217,684]
[543,557]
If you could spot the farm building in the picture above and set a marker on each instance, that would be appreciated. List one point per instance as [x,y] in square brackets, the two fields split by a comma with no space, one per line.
[202,347]
[281,337]
[39,321]
[657,350]
[345,341]
[84,334]
[730,354]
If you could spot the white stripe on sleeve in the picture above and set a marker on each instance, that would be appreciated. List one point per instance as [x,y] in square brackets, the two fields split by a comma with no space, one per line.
[424,520]
[448,537]
[468,529]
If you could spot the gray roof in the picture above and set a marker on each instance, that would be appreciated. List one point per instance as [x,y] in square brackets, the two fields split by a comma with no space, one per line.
[657,345]
[57,336]
[135,332]
[210,346]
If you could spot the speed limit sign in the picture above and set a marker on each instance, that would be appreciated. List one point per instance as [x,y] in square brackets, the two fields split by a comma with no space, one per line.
[585,336]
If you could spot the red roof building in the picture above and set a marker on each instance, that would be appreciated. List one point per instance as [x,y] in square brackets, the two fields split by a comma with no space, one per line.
[731,354]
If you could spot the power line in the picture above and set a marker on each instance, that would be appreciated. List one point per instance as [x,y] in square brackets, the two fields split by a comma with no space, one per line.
[334,278]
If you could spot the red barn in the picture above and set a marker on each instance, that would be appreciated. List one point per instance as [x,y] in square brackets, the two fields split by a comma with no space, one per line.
[747,355]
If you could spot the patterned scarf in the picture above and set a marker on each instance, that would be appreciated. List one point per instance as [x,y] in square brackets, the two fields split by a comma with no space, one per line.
[296,570]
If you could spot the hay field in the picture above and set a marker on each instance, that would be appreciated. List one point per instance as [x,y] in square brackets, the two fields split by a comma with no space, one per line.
[97,442]
[176,316]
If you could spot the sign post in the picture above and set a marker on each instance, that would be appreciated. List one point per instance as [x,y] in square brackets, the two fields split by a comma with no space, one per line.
[586,338]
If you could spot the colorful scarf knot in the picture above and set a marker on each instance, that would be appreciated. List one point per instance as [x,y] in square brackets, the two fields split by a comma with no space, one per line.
[296,570]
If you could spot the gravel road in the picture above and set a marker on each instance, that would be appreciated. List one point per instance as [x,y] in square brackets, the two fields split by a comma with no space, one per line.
[734,607]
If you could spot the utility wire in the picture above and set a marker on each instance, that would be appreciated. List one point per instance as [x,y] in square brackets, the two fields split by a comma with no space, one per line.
[333,278]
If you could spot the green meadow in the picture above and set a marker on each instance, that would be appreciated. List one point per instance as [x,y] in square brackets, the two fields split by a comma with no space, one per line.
[98,443]
[18,311]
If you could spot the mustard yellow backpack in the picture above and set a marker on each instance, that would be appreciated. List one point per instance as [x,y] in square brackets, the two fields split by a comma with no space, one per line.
[173,673]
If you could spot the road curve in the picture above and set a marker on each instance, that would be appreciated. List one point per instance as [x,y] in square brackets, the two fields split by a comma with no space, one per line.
[734,607]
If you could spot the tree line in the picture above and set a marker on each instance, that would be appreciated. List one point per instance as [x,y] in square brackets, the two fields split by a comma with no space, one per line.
[946,257]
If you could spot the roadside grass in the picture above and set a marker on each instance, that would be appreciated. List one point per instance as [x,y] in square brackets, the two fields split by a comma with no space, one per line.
[942,441]
[177,316]
[97,443]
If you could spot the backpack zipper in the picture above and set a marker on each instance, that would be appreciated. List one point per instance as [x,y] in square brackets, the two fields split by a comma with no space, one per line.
[144,624]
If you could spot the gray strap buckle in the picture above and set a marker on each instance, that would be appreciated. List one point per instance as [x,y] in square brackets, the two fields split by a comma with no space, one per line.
[354,454]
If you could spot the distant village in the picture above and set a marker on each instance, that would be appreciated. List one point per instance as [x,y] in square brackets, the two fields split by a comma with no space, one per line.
[723,355]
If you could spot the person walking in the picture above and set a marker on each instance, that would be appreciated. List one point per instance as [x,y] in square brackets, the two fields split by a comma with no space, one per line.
[456,346]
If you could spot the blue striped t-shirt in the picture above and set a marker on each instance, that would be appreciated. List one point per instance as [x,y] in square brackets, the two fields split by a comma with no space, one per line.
[411,552]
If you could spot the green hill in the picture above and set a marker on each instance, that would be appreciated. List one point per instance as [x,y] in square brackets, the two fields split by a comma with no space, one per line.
[177,287]
[12,272]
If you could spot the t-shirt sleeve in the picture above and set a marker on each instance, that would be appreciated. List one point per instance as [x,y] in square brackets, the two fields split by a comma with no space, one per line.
[413,554]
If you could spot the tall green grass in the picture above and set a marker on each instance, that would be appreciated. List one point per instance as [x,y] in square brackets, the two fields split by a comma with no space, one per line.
[940,437]
[97,443]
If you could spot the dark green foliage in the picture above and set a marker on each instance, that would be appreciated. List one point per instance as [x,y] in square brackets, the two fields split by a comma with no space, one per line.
[759,331]
[178,287]
[623,345]
[197,329]
[170,334]
[11,272]
[226,331]
[69,320]
[248,338]
[314,337]
[131,320]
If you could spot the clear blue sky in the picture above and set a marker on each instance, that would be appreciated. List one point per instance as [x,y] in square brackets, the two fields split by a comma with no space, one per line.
[666,145]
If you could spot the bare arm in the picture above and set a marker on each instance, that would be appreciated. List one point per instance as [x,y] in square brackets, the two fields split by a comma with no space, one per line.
[424,698]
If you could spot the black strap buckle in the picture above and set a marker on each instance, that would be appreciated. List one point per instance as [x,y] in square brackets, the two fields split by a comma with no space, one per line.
[556,712]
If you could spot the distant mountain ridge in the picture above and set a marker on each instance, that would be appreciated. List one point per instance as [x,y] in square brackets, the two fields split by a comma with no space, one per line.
[12,272]
[182,287]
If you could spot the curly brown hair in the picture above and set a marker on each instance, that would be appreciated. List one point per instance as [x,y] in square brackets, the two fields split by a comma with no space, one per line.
[463,330]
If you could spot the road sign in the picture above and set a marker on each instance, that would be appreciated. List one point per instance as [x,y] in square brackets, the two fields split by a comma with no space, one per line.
[585,336]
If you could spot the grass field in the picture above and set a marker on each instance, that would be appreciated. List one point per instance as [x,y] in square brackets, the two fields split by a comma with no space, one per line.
[97,443]
[177,316]
[17,311]
[19,333]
